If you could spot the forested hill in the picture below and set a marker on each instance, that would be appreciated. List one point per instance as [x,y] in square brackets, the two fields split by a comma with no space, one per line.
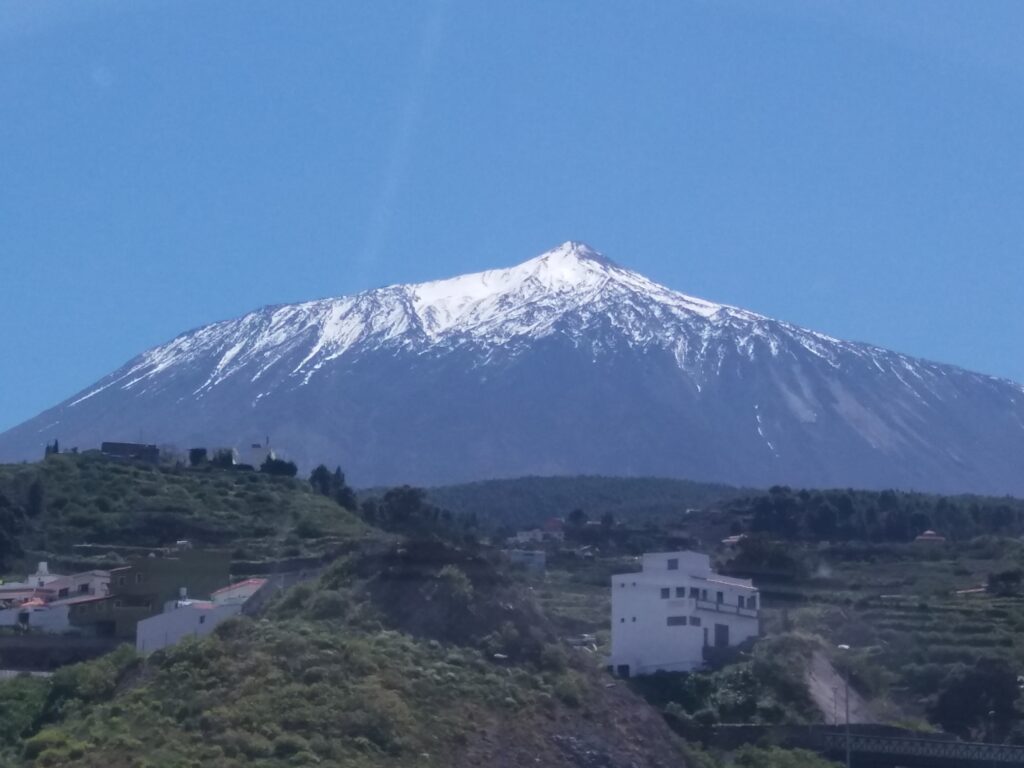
[527,501]
[840,514]
[893,516]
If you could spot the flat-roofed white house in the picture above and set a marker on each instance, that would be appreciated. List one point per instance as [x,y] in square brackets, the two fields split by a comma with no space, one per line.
[665,615]
[193,618]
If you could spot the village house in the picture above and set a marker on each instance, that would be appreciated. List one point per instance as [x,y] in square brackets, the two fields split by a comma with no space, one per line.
[664,616]
[185,617]
[43,601]
[142,588]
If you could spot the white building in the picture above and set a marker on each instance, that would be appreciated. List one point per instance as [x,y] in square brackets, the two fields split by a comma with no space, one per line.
[665,615]
[193,618]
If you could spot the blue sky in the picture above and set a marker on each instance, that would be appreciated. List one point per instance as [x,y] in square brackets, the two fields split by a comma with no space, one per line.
[856,168]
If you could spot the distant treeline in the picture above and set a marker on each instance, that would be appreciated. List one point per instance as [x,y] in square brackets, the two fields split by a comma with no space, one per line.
[529,501]
[894,516]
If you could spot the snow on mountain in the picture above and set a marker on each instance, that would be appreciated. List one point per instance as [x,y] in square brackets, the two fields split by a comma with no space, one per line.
[565,363]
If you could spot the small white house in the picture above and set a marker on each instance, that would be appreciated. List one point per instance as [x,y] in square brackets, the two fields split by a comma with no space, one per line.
[665,615]
[193,618]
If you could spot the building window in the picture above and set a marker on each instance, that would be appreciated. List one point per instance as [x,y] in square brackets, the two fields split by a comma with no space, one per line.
[634,619]
[676,621]
[694,592]
[117,603]
[721,597]
[62,592]
[83,589]
[202,619]
[622,620]
[622,584]
[752,601]
[680,591]
[122,580]
[695,621]
[673,563]
[138,578]
[703,594]
[665,592]
[741,601]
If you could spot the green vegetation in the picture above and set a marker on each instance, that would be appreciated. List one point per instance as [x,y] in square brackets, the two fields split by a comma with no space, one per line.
[529,501]
[48,507]
[418,645]
[762,687]
[419,652]
[875,516]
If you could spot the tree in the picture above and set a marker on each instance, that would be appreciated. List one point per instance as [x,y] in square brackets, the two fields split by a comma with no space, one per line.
[36,499]
[1006,583]
[279,467]
[974,700]
[577,518]
[320,479]
[224,458]
[344,495]
[333,486]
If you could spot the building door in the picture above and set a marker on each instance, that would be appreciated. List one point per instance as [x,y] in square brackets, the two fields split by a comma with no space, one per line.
[705,637]
[721,635]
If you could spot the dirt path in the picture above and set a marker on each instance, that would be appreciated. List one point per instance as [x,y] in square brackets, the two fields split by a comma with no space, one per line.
[828,689]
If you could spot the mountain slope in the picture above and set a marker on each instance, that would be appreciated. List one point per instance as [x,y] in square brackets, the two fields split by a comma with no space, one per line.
[566,363]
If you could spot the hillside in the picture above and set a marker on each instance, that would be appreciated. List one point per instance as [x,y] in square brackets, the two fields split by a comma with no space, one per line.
[422,653]
[49,506]
[564,364]
[529,501]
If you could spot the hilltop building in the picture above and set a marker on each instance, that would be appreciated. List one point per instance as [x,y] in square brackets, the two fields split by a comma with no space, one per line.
[149,454]
[666,615]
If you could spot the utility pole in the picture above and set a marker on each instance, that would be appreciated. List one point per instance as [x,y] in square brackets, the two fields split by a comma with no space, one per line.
[846,681]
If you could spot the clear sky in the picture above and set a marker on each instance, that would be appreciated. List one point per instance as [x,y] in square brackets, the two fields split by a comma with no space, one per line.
[856,168]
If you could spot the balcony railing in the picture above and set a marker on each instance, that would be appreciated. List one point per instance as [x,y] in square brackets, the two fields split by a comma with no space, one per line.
[711,605]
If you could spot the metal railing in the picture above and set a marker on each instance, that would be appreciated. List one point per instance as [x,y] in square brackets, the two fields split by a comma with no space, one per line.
[711,605]
[950,752]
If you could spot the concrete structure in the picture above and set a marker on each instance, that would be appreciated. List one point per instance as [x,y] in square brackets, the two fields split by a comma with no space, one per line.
[43,601]
[255,454]
[664,616]
[143,588]
[531,559]
[193,618]
[149,454]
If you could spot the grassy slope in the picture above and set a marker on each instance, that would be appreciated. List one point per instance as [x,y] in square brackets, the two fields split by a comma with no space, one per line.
[531,500]
[345,674]
[88,499]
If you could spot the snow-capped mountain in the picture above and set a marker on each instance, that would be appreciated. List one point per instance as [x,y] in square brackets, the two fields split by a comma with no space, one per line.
[566,363]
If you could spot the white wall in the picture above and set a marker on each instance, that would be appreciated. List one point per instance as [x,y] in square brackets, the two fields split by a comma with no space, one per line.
[40,618]
[188,620]
[641,637]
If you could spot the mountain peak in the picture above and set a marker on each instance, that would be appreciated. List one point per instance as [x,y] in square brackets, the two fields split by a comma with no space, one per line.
[574,252]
